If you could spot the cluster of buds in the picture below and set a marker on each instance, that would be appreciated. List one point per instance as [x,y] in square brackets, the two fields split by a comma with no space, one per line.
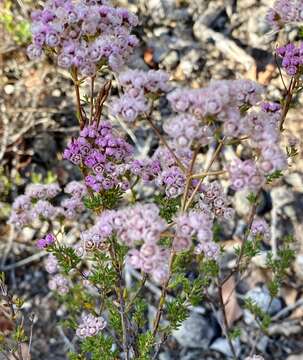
[83,35]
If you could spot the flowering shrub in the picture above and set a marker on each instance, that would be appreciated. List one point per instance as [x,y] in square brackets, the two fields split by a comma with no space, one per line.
[173,231]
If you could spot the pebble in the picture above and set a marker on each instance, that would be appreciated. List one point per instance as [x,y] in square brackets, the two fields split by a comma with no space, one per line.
[262,298]
[171,60]
[221,344]
[9,89]
[195,332]
[298,266]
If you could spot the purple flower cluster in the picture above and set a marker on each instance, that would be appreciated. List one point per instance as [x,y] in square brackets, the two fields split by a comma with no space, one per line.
[137,85]
[185,129]
[262,128]
[213,198]
[147,169]
[292,57]
[260,228]
[170,176]
[151,259]
[103,154]
[195,225]
[245,174]
[134,226]
[270,107]
[59,283]
[284,12]
[83,34]
[90,326]
[48,240]
[220,99]
[37,203]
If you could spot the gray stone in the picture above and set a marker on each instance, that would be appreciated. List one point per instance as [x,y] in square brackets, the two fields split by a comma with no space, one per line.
[171,60]
[195,332]
[165,356]
[262,298]
[221,345]
[298,266]
[190,62]
[9,89]
[45,147]
[240,202]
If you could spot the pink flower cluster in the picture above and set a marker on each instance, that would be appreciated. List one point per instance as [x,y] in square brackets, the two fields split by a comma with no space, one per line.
[284,12]
[83,34]
[195,225]
[137,85]
[292,57]
[132,225]
[135,226]
[186,129]
[212,198]
[262,128]
[59,283]
[103,154]
[37,203]
[170,176]
[51,264]
[221,99]
[90,326]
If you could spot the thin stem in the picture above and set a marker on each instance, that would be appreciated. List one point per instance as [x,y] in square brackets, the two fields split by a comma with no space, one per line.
[189,178]
[288,100]
[250,222]
[77,90]
[137,293]
[92,85]
[210,173]
[225,326]
[163,295]
[30,339]
[119,291]
[213,159]
[280,72]
[164,142]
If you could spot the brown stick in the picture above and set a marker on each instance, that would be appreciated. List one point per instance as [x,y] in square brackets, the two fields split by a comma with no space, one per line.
[77,90]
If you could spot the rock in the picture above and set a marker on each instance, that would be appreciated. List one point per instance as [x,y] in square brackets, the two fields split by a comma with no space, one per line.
[9,89]
[171,60]
[261,297]
[295,357]
[295,180]
[298,266]
[45,148]
[165,356]
[195,332]
[190,62]
[192,355]
[240,203]
[28,234]
[221,345]
[165,11]
[243,207]
[257,27]
[261,259]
